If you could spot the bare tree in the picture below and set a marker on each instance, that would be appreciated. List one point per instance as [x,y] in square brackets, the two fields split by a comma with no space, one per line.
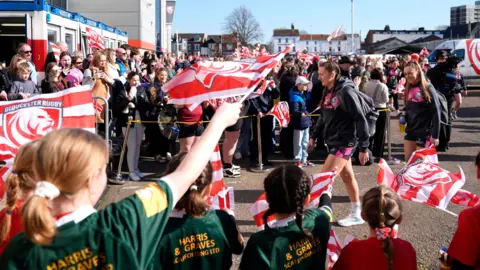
[242,22]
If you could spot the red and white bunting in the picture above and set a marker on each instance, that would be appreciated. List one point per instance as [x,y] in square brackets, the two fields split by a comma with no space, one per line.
[95,40]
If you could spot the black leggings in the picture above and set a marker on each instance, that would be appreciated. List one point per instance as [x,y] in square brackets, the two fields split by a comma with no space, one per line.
[377,141]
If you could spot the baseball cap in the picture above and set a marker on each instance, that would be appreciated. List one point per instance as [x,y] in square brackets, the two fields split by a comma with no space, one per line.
[346,60]
[301,80]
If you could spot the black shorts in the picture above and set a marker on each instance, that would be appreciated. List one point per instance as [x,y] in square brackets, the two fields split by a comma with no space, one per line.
[235,127]
[345,152]
[422,141]
[187,131]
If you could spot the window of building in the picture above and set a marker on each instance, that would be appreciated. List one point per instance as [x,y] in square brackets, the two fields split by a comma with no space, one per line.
[229,46]
[189,46]
[339,49]
[279,48]
[314,49]
[53,35]
[308,49]
[307,43]
[70,40]
[286,40]
[196,47]
[315,43]
[330,42]
[58,3]
[339,43]
[331,49]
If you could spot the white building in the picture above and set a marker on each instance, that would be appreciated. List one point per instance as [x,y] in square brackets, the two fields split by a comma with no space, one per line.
[144,20]
[284,37]
[318,44]
[408,36]
[313,43]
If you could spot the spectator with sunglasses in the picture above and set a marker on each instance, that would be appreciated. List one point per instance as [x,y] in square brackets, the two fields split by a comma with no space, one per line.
[149,72]
[25,51]
[122,62]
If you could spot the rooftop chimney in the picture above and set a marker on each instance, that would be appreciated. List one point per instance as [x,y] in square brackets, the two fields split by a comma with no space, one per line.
[293,26]
[421,29]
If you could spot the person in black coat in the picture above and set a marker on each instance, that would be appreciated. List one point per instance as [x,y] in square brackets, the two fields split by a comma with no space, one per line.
[287,82]
[126,102]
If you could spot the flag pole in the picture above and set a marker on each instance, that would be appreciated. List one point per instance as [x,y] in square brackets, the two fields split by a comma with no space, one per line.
[353,28]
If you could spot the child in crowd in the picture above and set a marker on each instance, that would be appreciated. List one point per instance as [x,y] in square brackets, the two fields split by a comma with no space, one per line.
[195,237]
[63,229]
[300,121]
[464,250]
[19,186]
[382,209]
[24,87]
[298,239]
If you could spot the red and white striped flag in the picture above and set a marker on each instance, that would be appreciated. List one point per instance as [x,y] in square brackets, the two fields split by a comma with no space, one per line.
[29,119]
[337,33]
[206,80]
[422,180]
[56,51]
[401,86]
[322,182]
[95,40]
[263,52]
[218,182]
[281,112]
[465,198]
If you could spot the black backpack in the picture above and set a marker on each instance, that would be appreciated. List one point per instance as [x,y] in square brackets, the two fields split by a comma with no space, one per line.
[368,109]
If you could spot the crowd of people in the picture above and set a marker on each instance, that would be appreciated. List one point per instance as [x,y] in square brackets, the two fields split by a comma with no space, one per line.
[167,224]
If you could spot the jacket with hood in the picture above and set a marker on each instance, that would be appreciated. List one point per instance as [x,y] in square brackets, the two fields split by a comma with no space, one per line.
[342,123]
[298,105]
[423,118]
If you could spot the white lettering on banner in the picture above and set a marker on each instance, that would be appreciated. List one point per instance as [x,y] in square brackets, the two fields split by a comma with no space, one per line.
[35,103]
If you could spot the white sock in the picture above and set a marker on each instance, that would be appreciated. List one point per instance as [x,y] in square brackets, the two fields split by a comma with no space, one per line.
[356,208]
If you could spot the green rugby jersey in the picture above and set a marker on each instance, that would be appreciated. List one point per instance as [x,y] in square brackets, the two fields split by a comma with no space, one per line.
[204,243]
[124,235]
[287,247]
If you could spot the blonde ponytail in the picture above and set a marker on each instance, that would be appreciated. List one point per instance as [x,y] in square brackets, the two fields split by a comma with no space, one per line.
[38,222]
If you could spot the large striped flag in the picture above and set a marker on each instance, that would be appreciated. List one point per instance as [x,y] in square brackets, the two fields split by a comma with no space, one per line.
[30,119]
[221,196]
[207,80]
[422,180]
[95,40]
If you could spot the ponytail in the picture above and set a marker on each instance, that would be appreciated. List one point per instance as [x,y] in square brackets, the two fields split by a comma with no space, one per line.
[192,201]
[302,193]
[18,183]
[38,222]
[12,197]
[387,246]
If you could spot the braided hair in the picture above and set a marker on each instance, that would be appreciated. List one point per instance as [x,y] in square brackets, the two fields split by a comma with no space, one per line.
[193,200]
[286,189]
[20,181]
[382,208]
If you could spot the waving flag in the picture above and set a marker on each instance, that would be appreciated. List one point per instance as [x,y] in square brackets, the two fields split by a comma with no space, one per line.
[281,112]
[30,119]
[401,86]
[322,183]
[422,180]
[337,33]
[424,52]
[206,80]
[466,198]
[263,52]
[95,40]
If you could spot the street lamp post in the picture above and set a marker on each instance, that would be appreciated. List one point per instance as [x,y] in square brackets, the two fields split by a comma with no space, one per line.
[353,28]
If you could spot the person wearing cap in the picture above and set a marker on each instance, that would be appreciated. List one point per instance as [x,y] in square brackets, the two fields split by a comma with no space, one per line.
[346,65]
[300,121]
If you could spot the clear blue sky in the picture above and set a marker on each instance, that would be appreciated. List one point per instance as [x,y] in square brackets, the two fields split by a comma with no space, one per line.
[316,16]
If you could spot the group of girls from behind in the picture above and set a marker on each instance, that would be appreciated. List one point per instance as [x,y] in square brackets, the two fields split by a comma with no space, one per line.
[167,224]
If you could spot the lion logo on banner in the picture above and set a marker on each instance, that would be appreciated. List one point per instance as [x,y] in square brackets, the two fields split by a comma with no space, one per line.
[207,72]
[30,124]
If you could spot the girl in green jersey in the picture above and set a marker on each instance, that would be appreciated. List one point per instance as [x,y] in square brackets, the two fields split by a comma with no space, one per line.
[196,237]
[62,228]
[298,238]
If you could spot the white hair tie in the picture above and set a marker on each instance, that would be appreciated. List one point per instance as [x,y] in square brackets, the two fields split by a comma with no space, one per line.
[46,190]
[193,187]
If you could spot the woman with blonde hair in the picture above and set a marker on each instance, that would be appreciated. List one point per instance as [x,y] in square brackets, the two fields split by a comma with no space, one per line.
[422,111]
[62,227]
[9,75]
[19,186]
[111,70]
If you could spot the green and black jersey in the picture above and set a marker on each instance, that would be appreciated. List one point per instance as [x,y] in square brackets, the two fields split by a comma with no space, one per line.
[202,243]
[123,236]
[285,246]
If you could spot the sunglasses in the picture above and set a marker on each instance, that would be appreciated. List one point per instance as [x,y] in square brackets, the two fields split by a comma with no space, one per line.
[124,54]
[26,52]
